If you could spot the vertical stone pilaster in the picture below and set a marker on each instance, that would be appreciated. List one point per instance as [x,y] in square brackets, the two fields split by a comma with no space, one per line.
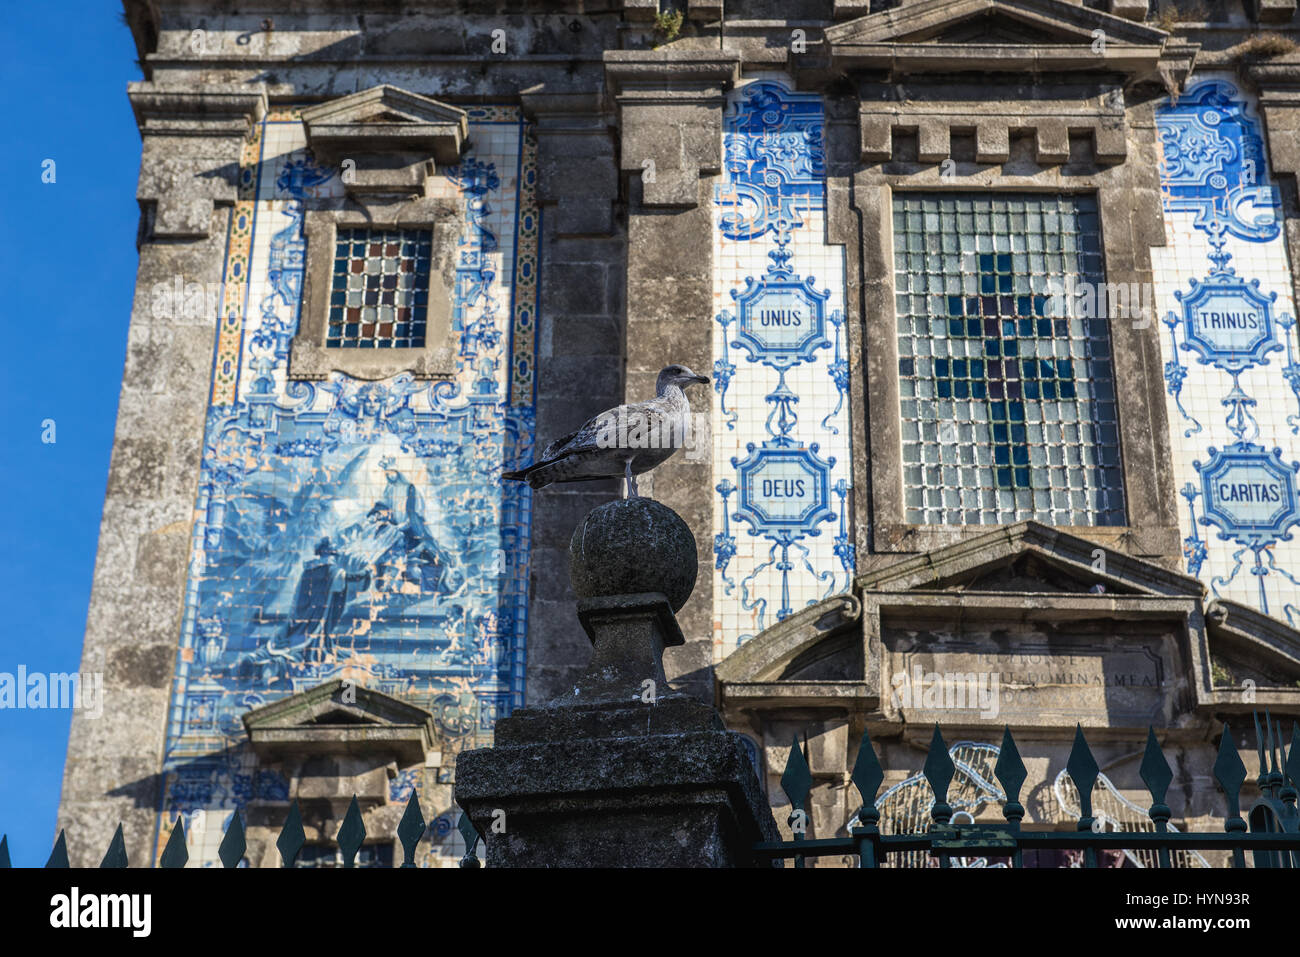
[1278,85]
[577,180]
[670,112]
[192,143]
[580,350]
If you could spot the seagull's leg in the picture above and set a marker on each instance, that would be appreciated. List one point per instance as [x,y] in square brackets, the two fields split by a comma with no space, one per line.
[629,487]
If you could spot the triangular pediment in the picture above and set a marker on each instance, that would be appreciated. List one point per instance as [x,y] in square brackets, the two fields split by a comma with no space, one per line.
[1031,558]
[342,717]
[978,21]
[823,643]
[335,702]
[1003,36]
[994,27]
[386,118]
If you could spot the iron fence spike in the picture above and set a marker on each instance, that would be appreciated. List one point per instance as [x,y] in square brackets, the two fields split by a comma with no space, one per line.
[4,852]
[1010,769]
[1259,744]
[1155,771]
[938,768]
[59,856]
[292,837]
[1230,770]
[471,836]
[175,854]
[1083,771]
[796,782]
[410,829]
[351,834]
[115,856]
[1272,744]
[231,849]
[867,775]
[1293,759]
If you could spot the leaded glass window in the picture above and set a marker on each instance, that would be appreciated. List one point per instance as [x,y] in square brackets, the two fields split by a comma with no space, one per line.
[1006,385]
[380,294]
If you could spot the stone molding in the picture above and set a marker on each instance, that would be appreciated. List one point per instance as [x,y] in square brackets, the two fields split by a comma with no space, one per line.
[762,676]
[394,140]
[310,358]
[902,41]
[670,114]
[386,119]
[190,154]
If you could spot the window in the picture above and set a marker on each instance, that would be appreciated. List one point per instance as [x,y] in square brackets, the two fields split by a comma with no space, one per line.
[1006,385]
[380,293]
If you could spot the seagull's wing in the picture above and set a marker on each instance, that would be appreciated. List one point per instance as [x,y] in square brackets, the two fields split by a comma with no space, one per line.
[583,439]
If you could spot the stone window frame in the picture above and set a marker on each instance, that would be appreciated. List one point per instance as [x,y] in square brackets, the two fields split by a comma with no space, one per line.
[1145,459]
[310,358]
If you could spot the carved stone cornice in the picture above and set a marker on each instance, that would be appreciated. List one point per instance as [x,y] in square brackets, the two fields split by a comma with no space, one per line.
[670,113]
[189,163]
[226,110]
[1032,36]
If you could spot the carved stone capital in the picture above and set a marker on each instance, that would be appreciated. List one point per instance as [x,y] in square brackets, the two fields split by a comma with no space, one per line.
[670,112]
[190,156]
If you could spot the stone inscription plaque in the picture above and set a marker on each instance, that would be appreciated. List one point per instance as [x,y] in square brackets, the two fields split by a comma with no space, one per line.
[1048,681]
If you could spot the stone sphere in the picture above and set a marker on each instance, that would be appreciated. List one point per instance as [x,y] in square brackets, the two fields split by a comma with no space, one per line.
[633,545]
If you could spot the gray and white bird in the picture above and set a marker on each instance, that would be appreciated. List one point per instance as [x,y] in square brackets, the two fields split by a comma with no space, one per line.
[628,440]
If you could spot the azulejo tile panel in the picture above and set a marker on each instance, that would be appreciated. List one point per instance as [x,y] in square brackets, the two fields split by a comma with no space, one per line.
[350,529]
[1232,380]
[780,417]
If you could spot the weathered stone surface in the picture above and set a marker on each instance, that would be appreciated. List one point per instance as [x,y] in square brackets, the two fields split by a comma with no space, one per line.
[620,770]
[630,546]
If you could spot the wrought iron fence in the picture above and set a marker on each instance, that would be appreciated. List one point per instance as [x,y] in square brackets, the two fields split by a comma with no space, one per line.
[351,837]
[1273,835]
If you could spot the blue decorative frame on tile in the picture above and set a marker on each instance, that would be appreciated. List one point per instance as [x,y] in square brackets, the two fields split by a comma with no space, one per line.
[774,158]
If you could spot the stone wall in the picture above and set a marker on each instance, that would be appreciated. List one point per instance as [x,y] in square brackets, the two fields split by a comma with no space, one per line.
[593,254]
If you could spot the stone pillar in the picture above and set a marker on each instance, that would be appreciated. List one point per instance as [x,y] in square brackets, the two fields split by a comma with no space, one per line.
[670,114]
[579,350]
[1278,84]
[187,189]
[621,770]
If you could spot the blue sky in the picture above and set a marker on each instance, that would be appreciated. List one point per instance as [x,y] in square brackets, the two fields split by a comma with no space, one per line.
[70,251]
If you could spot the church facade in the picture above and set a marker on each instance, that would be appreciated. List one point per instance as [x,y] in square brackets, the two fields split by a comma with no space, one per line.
[1003,427]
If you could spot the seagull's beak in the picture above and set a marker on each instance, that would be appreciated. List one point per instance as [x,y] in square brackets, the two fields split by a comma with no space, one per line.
[702,379]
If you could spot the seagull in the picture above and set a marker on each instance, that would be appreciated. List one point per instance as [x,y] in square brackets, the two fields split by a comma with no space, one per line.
[626,440]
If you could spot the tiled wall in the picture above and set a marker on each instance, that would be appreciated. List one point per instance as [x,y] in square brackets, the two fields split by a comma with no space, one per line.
[349,529]
[780,420]
[1223,291]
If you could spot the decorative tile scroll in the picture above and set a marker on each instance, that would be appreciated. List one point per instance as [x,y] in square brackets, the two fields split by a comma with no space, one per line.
[1232,379]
